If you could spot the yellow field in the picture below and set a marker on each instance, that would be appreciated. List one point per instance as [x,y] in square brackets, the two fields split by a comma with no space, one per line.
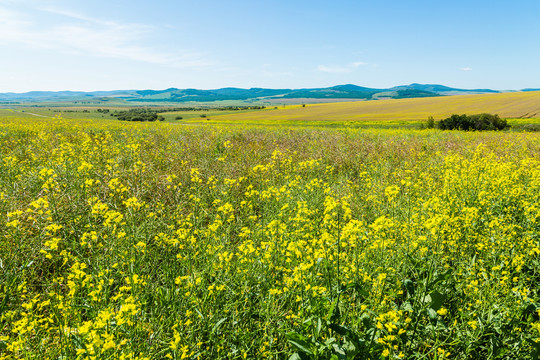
[141,241]
[507,105]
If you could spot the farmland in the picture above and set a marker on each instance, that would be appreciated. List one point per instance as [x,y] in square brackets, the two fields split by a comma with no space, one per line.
[520,108]
[154,240]
[508,105]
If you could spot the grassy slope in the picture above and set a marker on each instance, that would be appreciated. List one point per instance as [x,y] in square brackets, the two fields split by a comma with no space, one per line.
[510,105]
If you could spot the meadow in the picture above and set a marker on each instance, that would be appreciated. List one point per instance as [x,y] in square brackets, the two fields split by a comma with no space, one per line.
[157,240]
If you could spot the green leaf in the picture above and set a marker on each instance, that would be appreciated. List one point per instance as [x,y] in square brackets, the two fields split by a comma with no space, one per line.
[301,346]
[295,356]
[528,309]
[351,348]
[319,326]
[330,341]
[366,321]
[201,316]
[340,329]
[334,313]
[432,314]
[217,324]
[409,285]
[299,342]
[358,287]
[339,351]
[437,300]
[406,306]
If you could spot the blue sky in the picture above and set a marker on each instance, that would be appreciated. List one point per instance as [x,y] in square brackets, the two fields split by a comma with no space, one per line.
[205,44]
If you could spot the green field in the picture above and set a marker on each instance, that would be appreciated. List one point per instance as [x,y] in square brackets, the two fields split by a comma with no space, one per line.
[73,112]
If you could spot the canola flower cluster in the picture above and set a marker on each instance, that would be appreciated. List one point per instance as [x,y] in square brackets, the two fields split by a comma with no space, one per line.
[147,241]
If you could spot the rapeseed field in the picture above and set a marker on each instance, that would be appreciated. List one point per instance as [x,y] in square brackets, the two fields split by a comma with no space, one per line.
[156,241]
[507,105]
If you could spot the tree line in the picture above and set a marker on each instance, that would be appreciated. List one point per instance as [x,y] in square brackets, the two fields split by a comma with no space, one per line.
[141,114]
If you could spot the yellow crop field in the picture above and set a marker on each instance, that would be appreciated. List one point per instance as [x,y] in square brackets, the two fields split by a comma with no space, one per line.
[507,105]
[123,240]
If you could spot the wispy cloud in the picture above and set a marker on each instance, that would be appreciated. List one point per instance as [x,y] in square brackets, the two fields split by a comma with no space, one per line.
[341,69]
[358,64]
[466,69]
[79,16]
[77,33]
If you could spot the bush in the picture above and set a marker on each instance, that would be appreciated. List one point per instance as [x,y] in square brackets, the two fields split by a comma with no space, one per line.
[137,115]
[477,122]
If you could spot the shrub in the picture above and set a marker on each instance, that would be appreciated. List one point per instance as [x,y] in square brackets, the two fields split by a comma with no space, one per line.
[473,122]
[137,115]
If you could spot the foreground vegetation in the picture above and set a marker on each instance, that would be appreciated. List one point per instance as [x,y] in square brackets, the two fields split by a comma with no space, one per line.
[151,240]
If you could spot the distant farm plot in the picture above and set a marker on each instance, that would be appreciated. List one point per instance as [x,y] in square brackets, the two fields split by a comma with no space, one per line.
[507,105]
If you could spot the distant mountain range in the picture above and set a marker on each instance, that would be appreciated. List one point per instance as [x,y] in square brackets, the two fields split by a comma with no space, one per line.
[174,95]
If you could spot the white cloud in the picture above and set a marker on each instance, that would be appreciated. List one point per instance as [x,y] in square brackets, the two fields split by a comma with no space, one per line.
[84,35]
[358,64]
[466,69]
[78,16]
[341,69]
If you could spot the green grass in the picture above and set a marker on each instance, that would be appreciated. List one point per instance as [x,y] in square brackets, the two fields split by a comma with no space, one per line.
[196,115]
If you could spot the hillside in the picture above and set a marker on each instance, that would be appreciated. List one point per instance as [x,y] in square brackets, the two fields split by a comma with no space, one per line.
[509,105]
[443,90]
[174,95]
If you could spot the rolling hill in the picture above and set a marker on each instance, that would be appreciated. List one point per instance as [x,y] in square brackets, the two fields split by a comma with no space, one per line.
[507,105]
[174,95]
